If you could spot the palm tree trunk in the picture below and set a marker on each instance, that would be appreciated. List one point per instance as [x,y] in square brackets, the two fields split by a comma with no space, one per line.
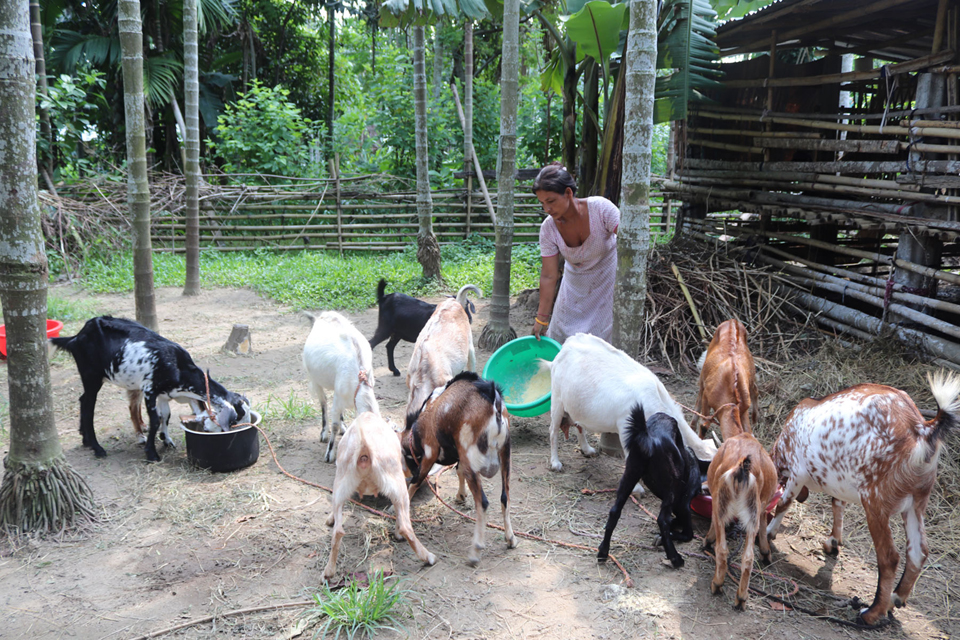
[633,237]
[428,249]
[589,134]
[191,100]
[36,31]
[498,331]
[138,187]
[39,490]
[331,75]
[468,100]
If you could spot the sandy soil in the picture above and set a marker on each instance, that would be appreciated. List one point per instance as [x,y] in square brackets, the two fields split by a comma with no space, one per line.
[175,543]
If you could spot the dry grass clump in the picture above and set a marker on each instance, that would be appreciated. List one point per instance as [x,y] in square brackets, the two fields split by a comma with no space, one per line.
[720,288]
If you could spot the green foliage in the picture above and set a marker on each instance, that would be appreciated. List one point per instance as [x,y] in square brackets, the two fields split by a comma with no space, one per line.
[262,132]
[324,279]
[72,104]
[685,44]
[292,408]
[658,147]
[397,13]
[67,310]
[596,30]
[357,610]
[730,9]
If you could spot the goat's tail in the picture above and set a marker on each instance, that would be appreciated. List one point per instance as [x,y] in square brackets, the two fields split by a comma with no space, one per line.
[741,473]
[636,435]
[945,389]
[309,316]
[381,288]
[701,360]
[545,365]
[55,344]
[462,294]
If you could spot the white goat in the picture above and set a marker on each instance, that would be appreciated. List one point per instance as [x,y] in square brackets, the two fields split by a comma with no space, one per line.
[337,357]
[443,349]
[369,463]
[597,386]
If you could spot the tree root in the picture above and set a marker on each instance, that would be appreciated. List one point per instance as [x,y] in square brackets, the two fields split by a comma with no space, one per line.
[492,338]
[428,255]
[45,497]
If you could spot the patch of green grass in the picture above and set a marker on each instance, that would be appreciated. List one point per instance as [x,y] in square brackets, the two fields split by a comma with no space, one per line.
[71,310]
[293,408]
[354,609]
[322,279]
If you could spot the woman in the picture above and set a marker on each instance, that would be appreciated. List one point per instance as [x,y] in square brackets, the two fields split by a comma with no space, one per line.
[584,232]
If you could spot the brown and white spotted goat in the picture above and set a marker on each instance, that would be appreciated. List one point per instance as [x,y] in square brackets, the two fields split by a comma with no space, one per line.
[464,423]
[728,384]
[869,444]
[369,463]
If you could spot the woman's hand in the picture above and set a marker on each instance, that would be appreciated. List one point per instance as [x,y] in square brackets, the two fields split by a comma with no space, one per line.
[539,326]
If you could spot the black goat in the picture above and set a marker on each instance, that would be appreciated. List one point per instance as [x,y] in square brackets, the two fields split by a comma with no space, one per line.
[402,317]
[656,454]
[148,366]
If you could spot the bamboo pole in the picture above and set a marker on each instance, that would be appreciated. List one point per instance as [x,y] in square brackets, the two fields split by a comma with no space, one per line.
[840,78]
[748,133]
[476,160]
[690,302]
[849,114]
[849,146]
[836,126]
[845,166]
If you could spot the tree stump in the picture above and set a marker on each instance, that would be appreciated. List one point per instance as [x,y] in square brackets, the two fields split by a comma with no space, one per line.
[240,342]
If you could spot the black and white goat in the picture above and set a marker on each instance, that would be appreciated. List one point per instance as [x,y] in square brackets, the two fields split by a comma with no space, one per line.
[148,366]
[402,317]
[656,454]
[465,423]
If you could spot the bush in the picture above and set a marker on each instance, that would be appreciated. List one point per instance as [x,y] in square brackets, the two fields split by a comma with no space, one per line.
[262,132]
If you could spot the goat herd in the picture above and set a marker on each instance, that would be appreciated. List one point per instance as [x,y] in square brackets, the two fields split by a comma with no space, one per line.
[866,444]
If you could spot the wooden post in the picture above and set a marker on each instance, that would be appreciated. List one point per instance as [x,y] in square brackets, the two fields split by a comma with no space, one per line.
[469,202]
[335,172]
[770,71]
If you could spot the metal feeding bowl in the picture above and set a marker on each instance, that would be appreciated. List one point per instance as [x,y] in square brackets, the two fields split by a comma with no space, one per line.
[223,450]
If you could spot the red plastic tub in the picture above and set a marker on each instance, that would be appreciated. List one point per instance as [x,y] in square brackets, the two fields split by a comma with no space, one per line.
[702,505]
[53,330]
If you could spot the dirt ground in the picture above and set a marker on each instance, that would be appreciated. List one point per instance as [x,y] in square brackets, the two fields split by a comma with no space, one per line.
[175,543]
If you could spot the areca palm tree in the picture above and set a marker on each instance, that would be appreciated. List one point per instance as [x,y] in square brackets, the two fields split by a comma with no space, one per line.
[39,490]
[498,331]
[138,187]
[633,236]
[428,249]
[191,102]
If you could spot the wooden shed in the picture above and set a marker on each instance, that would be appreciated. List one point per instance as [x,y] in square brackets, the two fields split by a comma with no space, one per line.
[831,154]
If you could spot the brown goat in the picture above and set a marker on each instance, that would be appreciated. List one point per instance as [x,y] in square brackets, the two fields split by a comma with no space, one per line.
[869,444]
[742,481]
[728,385]
[368,463]
[465,423]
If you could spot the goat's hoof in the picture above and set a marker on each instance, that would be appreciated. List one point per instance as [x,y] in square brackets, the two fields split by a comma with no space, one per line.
[898,602]
[556,466]
[151,457]
[512,542]
[398,536]
[324,436]
[658,541]
[473,562]
[590,452]
[831,547]
[99,453]
[677,562]
[331,520]
[431,559]
[397,374]
[716,589]
[738,604]
[766,559]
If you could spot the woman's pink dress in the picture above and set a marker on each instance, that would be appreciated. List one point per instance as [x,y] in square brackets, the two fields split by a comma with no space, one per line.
[585,301]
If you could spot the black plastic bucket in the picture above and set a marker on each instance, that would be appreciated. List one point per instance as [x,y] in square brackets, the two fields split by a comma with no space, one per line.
[224,450]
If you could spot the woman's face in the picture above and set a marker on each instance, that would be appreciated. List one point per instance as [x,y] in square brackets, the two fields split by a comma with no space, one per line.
[555,204]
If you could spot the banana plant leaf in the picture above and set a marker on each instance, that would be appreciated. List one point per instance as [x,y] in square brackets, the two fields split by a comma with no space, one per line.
[686,46]
[402,13]
[596,30]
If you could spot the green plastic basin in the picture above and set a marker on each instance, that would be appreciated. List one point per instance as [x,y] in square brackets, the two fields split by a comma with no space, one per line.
[515,367]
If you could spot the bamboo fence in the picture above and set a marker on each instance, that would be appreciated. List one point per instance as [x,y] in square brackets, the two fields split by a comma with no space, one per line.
[348,214]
